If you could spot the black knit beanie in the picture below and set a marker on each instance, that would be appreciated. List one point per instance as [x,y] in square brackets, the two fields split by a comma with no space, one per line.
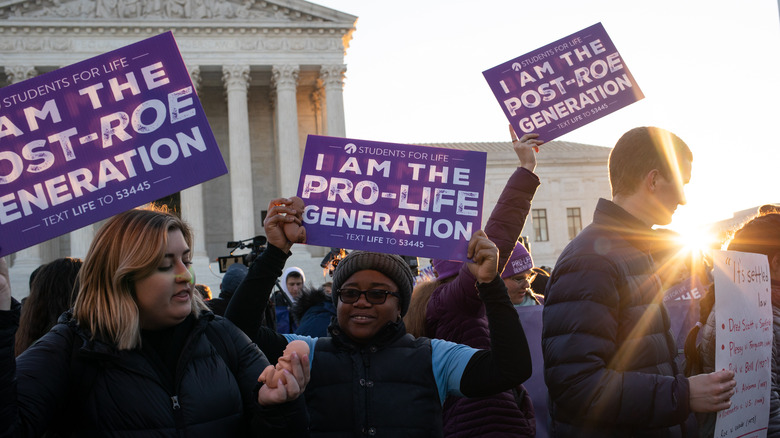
[393,266]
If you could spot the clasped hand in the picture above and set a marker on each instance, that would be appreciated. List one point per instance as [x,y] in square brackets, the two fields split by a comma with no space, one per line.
[484,255]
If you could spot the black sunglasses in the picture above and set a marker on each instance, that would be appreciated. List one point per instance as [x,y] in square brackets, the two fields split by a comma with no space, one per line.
[373,296]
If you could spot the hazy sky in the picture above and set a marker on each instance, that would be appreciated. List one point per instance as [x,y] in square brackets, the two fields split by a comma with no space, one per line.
[709,71]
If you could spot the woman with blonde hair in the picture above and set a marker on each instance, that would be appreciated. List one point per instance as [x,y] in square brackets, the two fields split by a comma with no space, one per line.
[414,320]
[141,353]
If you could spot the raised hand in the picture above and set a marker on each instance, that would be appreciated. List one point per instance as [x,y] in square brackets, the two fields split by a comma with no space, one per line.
[484,254]
[281,213]
[526,148]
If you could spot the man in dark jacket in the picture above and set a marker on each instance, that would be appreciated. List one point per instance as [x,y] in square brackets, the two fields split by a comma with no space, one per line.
[608,349]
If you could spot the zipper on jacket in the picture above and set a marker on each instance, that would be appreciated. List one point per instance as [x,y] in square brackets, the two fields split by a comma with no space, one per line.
[178,414]
[181,364]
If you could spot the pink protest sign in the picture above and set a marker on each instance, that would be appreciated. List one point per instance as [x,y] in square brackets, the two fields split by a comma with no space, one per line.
[392,198]
[99,137]
[743,340]
[564,85]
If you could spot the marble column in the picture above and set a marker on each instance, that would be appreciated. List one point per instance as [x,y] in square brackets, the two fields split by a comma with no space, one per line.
[29,258]
[195,77]
[332,77]
[193,213]
[288,155]
[236,80]
[19,73]
[284,79]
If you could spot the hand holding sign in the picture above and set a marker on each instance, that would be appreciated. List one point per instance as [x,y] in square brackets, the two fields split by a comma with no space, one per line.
[564,85]
[388,197]
[712,392]
[526,148]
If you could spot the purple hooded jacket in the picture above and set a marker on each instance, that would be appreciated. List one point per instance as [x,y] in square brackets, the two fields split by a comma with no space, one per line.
[455,313]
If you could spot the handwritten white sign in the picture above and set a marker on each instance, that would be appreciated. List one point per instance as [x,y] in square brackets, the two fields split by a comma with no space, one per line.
[743,340]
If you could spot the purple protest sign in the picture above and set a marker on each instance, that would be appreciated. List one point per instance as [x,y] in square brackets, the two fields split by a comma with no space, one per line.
[564,85]
[99,137]
[392,198]
[688,289]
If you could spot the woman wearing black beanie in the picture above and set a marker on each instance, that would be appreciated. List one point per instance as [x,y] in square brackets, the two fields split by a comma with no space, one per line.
[371,377]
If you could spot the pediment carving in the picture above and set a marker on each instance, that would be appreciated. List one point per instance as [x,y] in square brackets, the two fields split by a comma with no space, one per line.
[242,10]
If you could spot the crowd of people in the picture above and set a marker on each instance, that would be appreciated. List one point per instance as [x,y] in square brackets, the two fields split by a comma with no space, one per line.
[124,343]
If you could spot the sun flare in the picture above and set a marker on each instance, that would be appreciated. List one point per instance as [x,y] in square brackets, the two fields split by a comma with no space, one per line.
[697,240]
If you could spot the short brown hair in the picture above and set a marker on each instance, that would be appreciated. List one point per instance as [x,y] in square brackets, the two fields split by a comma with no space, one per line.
[127,248]
[641,150]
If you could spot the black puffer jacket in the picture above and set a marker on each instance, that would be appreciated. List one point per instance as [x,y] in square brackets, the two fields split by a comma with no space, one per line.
[608,349]
[211,396]
[385,388]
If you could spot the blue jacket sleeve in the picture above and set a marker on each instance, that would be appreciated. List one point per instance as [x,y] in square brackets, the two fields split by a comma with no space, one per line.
[584,363]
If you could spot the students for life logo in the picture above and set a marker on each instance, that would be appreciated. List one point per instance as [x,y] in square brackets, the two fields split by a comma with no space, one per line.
[350,148]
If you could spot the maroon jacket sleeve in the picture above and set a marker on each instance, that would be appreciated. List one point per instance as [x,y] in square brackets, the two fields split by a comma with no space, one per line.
[508,217]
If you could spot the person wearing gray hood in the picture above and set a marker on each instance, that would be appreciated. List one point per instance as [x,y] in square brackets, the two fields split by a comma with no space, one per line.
[291,284]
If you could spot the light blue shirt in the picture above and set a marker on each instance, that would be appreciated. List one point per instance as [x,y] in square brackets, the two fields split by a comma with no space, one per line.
[448,359]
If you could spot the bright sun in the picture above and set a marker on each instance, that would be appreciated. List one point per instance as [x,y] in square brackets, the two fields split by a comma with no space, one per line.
[697,239]
[695,232]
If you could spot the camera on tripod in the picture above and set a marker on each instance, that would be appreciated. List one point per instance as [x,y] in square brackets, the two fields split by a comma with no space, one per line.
[255,244]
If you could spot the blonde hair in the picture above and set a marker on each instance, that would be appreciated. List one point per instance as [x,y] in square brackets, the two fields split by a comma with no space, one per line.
[127,248]
[414,320]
